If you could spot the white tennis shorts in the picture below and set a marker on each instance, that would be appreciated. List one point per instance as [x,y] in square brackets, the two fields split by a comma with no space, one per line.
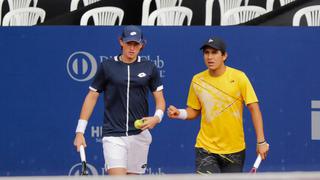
[130,152]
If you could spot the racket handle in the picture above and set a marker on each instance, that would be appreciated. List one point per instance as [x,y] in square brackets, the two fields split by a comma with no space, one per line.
[82,154]
[257,162]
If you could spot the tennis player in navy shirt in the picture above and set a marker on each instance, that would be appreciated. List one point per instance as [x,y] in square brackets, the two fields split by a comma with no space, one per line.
[125,82]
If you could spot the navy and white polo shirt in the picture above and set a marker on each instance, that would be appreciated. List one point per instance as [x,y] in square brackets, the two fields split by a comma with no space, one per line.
[126,88]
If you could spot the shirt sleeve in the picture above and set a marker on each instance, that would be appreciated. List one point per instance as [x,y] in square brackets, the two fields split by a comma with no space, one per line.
[99,80]
[155,83]
[247,91]
[193,101]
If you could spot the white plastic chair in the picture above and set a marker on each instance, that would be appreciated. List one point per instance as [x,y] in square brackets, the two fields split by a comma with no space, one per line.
[269,5]
[24,17]
[159,4]
[284,2]
[103,16]
[167,3]
[74,3]
[241,15]
[225,5]
[312,14]
[170,16]
[16,4]
[1,2]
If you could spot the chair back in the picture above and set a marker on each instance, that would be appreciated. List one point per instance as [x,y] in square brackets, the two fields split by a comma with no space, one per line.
[159,4]
[225,5]
[269,5]
[170,16]
[167,3]
[24,17]
[103,16]
[15,4]
[241,15]
[311,13]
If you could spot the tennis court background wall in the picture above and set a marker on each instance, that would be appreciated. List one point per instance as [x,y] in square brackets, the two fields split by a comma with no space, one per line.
[46,71]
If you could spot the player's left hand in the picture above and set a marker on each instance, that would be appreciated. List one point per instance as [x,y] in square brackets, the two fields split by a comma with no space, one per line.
[149,122]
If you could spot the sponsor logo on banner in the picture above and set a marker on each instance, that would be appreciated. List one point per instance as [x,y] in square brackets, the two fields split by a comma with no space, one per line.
[151,171]
[96,133]
[76,170]
[81,66]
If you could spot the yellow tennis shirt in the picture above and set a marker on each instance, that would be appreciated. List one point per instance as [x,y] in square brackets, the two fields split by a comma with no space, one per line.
[220,100]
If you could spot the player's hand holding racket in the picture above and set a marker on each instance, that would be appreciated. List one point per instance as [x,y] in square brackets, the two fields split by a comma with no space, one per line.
[79,140]
[80,143]
[262,149]
[84,171]
[256,164]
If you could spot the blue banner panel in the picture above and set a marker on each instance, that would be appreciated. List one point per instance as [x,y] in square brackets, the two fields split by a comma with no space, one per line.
[46,72]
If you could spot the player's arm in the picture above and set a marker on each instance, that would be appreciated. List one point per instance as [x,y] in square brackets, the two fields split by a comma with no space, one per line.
[86,111]
[184,114]
[151,122]
[262,145]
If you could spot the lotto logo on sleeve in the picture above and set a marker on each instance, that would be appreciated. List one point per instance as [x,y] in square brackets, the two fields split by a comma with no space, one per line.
[81,66]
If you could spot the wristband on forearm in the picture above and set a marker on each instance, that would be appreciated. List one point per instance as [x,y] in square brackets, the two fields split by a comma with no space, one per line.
[262,143]
[159,114]
[81,127]
[183,114]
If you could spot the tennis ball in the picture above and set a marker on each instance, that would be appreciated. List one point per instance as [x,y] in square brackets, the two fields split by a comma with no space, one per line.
[138,123]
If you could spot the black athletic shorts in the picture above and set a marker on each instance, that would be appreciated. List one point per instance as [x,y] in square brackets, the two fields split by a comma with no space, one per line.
[208,163]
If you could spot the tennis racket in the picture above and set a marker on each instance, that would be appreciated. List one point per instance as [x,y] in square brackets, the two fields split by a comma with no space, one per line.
[84,171]
[256,165]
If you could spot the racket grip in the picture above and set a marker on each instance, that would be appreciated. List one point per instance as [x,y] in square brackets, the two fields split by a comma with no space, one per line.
[257,162]
[82,154]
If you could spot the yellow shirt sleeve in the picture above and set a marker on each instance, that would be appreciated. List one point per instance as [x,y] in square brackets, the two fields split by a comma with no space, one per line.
[193,101]
[247,91]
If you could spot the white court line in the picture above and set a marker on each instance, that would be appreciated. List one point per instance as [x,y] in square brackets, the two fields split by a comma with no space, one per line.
[236,176]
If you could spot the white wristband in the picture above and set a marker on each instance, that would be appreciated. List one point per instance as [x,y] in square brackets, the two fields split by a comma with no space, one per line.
[183,114]
[82,124]
[159,114]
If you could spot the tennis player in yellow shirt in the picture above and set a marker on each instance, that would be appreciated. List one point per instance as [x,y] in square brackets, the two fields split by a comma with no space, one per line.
[218,94]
